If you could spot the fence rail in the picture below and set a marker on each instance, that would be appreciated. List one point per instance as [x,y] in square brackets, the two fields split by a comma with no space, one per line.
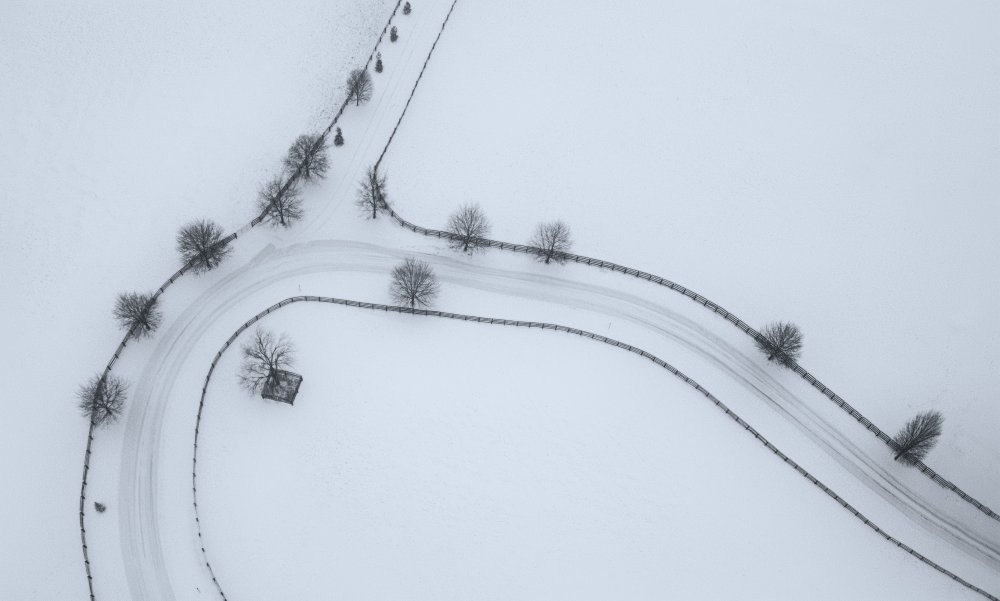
[718,310]
[155,297]
[661,281]
[578,332]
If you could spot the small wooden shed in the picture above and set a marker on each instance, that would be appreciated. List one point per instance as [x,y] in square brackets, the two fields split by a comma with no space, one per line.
[282,386]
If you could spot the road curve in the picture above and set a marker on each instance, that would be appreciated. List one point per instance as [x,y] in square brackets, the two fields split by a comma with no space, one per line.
[277,271]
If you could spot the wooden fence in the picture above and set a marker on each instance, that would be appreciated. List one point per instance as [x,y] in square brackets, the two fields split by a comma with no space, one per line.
[718,310]
[159,291]
[649,277]
[578,332]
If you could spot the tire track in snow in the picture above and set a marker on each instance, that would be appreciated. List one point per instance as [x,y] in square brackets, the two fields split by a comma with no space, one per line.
[717,309]
[290,264]
[138,584]
[585,334]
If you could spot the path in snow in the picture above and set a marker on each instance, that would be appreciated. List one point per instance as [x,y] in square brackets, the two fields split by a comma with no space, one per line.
[275,271]
[149,476]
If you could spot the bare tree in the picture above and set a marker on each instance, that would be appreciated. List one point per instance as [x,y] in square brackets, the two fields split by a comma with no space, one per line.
[281,202]
[413,283]
[918,437]
[359,86]
[781,342]
[552,239]
[263,356]
[469,223]
[138,313]
[102,399]
[307,156]
[200,244]
[371,194]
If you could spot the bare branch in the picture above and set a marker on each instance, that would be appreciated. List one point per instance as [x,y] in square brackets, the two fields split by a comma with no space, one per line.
[101,399]
[200,245]
[307,157]
[469,223]
[414,283]
[781,342]
[281,202]
[553,240]
[359,86]
[918,437]
[137,313]
[263,356]
[371,194]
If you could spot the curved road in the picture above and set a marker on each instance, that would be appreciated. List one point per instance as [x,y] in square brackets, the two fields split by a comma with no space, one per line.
[276,271]
[157,536]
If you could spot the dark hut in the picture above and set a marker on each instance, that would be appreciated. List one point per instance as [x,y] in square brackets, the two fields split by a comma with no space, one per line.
[282,386]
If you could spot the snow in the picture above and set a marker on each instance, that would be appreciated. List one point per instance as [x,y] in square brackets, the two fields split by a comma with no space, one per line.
[833,165]
[118,123]
[547,467]
[830,165]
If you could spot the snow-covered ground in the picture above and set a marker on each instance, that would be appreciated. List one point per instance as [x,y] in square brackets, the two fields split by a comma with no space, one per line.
[832,165]
[119,122]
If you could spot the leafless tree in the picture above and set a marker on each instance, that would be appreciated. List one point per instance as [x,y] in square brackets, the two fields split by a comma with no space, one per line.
[359,86]
[918,437]
[307,155]
[138,313]
[102,399]
[469,223]
[414,283]
[200,245]
[552,239]
[281,202]
[781,342]
[263,356]
[371,194]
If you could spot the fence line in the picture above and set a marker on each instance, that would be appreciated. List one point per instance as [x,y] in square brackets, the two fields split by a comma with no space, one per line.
[650,277]
[585,334]
[155,297]
[415,84]
[718,310]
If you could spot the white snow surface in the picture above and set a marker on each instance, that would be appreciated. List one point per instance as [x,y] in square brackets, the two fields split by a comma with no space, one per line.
[834,165]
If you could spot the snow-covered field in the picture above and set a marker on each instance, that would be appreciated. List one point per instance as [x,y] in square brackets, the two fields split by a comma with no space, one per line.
[831,165]
[119,122]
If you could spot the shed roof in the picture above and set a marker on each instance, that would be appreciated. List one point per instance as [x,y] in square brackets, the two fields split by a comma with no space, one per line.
[282,386]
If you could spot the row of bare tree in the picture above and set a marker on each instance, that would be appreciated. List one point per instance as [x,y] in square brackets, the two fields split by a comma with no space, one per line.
[202,246]
[781,342]
[469,227]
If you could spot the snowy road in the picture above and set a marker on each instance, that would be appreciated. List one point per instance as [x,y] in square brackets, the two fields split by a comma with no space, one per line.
[277,272]
[162,560]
